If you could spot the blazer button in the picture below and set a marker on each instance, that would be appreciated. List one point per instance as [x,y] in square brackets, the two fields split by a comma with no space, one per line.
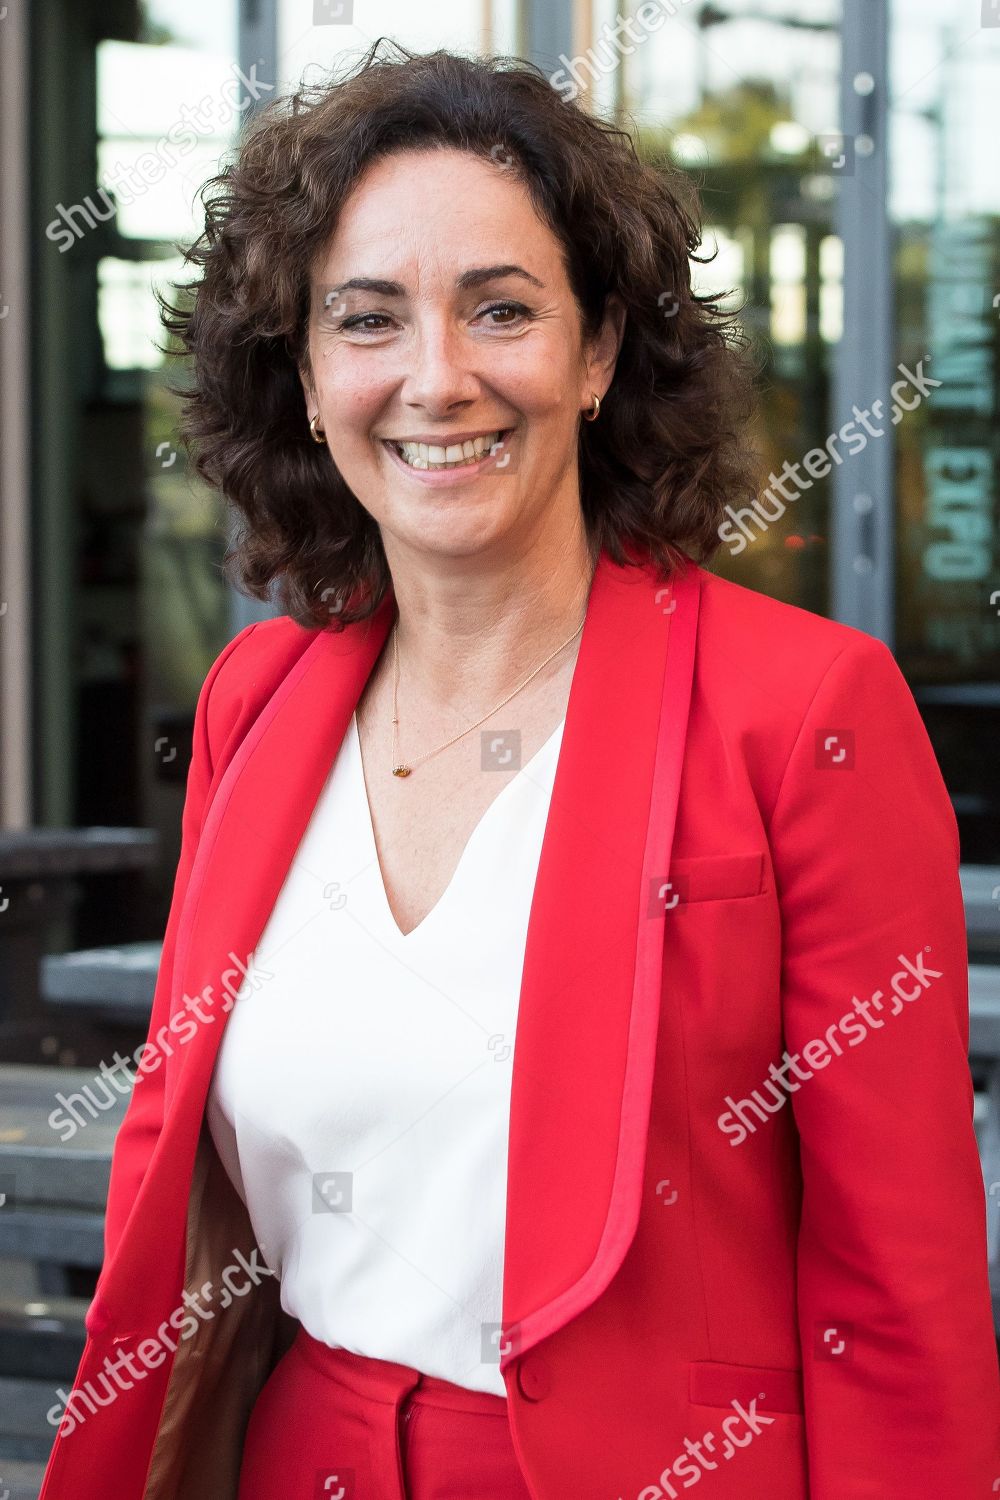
[534,1378]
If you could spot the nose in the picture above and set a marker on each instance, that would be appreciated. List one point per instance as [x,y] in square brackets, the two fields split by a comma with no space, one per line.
[439,366]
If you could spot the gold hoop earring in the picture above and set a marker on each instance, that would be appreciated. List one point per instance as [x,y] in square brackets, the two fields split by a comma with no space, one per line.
[592,415]
[312,429]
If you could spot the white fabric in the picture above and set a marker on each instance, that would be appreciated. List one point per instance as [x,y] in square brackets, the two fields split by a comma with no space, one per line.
[359,1050]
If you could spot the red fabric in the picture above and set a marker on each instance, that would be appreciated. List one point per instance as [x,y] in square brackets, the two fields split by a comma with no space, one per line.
[332,1425]
[737,856]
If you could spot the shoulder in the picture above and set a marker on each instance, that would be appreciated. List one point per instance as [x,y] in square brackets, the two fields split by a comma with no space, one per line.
[784,684]
[772,676]
[780,681]
[245,675]
[764,648]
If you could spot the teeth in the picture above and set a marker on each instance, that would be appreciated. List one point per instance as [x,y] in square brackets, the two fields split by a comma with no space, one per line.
[430,456]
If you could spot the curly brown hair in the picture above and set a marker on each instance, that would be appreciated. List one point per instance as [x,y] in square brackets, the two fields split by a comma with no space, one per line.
[671,447]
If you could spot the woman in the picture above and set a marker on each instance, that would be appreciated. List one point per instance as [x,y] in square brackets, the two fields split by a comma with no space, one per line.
[557,1080]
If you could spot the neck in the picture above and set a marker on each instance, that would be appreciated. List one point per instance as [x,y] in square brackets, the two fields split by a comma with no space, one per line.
[470,629]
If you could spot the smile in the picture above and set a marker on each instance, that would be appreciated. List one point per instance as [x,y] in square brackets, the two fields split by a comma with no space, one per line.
[433,458]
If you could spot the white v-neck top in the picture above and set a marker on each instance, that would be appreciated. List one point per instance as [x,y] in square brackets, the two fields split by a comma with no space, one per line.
[360,1100]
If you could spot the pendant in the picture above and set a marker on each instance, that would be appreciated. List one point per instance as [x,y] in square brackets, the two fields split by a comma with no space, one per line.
[400,770]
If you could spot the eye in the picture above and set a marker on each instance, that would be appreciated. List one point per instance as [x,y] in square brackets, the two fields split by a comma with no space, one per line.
[518,308]
[361,318]
[373,322]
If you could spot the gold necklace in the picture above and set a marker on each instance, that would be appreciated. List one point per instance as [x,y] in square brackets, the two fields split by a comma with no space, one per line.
[398,769]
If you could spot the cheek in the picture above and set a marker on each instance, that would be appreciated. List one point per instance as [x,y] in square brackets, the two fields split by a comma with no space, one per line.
[354,400]
[548,402]
[352,369]
[540,382]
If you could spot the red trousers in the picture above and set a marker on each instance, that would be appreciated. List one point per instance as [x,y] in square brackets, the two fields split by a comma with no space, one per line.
[332,1425]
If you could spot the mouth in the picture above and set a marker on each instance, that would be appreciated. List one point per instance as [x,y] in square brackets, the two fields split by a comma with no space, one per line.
[434,458]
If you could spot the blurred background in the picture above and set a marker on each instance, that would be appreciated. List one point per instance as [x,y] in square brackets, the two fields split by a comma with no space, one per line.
[845,153]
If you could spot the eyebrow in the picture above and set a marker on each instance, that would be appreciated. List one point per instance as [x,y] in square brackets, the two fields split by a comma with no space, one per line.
[468,279]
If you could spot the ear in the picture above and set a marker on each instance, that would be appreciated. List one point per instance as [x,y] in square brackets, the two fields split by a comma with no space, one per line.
[602,354]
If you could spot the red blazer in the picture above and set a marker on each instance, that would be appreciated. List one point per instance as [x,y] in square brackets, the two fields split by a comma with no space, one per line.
[746,1220]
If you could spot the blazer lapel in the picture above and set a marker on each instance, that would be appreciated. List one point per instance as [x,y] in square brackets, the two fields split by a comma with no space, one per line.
[590,993]
[256,818]
[589,1002]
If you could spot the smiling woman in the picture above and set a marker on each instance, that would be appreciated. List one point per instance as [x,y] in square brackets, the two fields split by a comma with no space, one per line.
[444,334]
[346,243]
[542,845]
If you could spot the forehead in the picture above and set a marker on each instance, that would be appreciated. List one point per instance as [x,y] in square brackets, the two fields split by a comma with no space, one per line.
[434,213]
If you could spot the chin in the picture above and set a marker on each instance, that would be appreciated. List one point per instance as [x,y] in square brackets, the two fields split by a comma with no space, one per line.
[450,536]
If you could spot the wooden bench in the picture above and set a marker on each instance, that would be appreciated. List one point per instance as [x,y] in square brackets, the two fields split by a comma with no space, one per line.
[984,1057]
[52,1214]
[19,1480]
[113,984]
[41,876]
[53,1192]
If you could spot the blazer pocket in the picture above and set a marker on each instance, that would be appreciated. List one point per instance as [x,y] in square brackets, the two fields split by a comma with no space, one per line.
[713,1384]
[714,877]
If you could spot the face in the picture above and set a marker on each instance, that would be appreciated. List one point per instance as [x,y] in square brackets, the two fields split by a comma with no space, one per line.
[442,316]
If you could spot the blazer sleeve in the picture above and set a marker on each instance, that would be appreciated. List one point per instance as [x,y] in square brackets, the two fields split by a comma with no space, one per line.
[900,1375]
[140,1128]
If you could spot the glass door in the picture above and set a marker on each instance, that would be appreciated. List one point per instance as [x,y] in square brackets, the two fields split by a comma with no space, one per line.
[945,212]
[743,96]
